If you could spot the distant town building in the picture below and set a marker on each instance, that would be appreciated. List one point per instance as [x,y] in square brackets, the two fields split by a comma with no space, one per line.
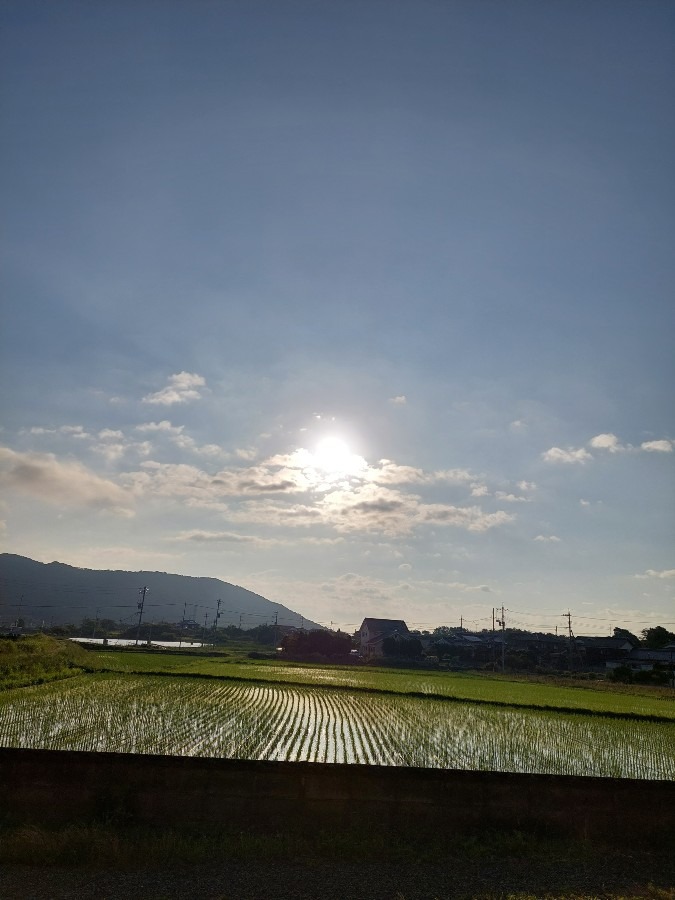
[374,631]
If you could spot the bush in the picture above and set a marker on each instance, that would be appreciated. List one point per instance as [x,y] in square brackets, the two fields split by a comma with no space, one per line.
[36,658]
[622,674]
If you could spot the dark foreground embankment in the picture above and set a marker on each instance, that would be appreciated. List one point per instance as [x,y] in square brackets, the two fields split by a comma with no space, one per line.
[54,788]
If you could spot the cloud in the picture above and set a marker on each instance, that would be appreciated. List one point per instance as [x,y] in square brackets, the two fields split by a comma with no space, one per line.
[467,588]
[608,442]
[368,508]
[471,518]
[388,472]
[558,455]
[74,431]
[176,434]
[510,498]
[401,400]
[181,388]
[657,446]
[164,427]
[291,490]
[67,484]
[547,539]
[220,537]
[605,441]
[653,573]
[177,480]
[108,434]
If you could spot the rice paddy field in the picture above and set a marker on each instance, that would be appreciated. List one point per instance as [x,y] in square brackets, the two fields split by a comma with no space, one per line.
[599,698]
[322,723]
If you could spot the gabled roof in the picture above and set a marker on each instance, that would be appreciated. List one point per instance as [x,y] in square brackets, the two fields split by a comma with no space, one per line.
[384,626]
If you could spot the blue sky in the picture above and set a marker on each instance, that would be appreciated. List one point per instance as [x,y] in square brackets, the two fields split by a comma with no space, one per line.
[365,306]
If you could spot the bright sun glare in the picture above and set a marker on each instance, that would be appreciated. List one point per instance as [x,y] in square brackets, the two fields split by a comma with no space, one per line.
[332,455]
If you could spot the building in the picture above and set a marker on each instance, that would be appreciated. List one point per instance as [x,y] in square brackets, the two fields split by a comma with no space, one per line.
[374,631]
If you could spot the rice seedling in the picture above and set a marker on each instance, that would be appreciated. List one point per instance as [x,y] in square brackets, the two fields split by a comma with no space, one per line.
[198,717]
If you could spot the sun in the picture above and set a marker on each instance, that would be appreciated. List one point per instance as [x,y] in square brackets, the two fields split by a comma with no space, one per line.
[331,454]
[334,457]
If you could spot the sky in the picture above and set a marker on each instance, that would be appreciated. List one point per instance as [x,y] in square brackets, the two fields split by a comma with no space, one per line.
[364,306]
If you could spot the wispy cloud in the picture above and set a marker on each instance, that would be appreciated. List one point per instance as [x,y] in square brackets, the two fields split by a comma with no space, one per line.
[223,537]
[177,436]
[182,387]
[547,539]
[654,573]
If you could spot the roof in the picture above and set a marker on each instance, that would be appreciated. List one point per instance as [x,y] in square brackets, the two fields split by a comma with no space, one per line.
[605,643]
[661,655]
[381,626]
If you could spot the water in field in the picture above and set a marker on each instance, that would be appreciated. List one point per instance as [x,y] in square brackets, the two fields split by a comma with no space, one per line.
[195,717]
[130,642]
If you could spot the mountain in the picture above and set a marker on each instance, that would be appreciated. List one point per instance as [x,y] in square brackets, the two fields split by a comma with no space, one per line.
[57,594]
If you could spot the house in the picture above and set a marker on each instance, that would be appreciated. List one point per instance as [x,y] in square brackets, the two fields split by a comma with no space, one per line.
[601,651]
[643,660]
[373,632]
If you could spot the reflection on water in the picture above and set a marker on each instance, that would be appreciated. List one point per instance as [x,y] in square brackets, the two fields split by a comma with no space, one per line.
[129,642]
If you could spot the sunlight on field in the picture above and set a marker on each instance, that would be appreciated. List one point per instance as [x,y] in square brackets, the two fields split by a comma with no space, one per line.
[443,684]
[201,717]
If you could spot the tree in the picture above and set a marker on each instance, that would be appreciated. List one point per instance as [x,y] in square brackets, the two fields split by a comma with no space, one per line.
[626,636]
[403,648]
[443,631]
[319,641]
[657,637]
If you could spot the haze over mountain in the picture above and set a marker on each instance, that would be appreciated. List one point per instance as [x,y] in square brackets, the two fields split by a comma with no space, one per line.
[57,593]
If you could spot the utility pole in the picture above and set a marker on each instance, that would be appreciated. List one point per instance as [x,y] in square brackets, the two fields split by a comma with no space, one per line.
[206,619]
[142,592]
[502,624]
[182,626]
[568,616]
[215,623]
[93,634]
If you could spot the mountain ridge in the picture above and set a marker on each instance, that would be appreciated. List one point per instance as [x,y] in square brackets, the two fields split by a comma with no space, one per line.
[58,593]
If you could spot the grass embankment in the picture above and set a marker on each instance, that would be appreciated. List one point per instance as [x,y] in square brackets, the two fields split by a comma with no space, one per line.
[602,698]
[39,658]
